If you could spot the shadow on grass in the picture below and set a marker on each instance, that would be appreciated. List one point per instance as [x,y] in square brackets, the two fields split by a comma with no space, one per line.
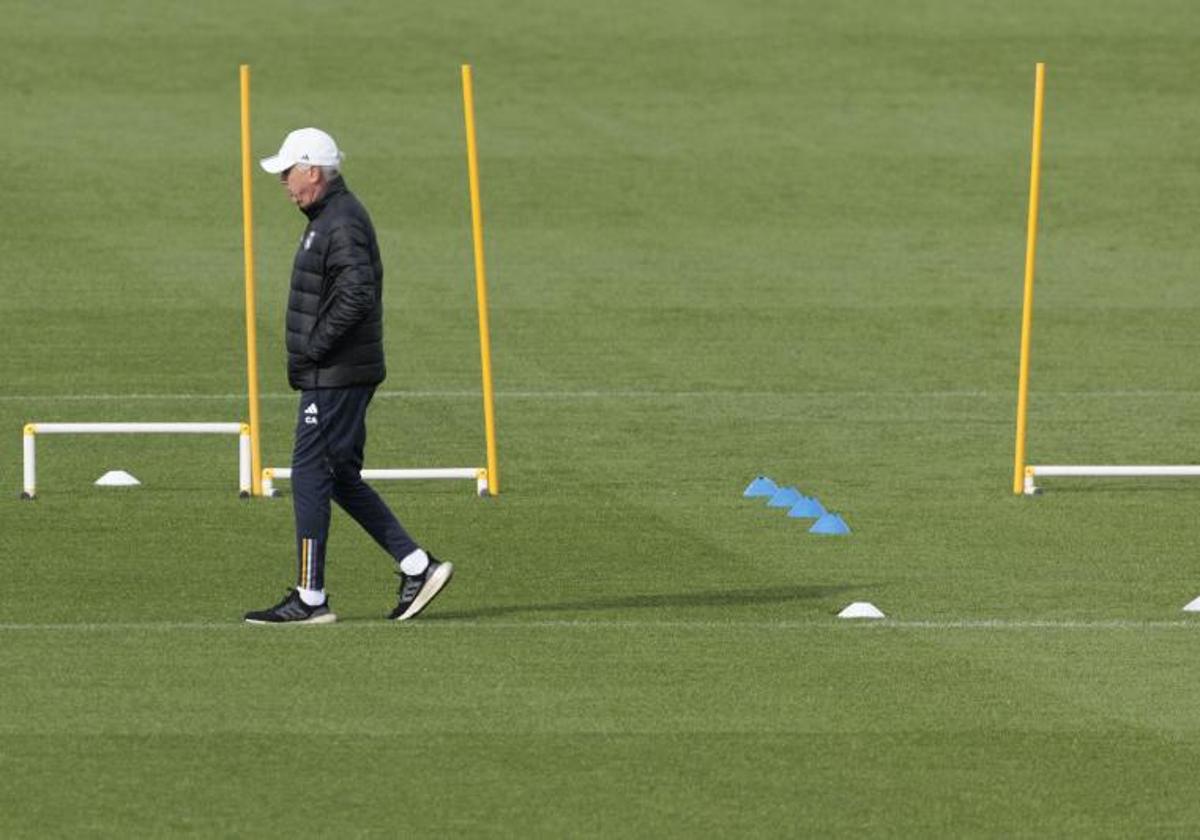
[715,598]
[1168,487]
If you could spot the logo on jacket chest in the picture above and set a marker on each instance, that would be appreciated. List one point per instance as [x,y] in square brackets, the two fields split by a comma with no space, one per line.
[308,239]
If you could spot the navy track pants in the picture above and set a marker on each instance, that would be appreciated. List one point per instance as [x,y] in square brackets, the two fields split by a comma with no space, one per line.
[331,433]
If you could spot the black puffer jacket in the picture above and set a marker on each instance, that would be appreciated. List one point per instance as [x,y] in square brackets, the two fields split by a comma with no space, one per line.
[335,308]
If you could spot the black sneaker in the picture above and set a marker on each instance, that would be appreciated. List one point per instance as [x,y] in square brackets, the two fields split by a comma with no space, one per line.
[418,590]
[292,610]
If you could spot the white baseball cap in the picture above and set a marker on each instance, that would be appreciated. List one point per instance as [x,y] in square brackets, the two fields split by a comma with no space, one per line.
[309,146]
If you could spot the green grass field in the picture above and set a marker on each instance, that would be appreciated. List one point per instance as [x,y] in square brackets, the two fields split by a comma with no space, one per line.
[724,238]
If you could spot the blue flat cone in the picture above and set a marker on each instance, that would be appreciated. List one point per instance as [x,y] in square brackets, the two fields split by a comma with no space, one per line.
[807,508]
[830,523]
[761,486]
[785,497]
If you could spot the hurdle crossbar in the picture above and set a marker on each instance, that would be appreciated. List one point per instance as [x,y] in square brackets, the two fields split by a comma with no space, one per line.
[478,474]
[1104,471]
[32,430]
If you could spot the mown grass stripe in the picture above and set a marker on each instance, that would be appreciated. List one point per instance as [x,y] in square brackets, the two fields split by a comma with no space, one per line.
[621,624]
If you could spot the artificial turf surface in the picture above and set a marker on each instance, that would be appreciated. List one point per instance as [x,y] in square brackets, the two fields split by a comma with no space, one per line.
[724,239]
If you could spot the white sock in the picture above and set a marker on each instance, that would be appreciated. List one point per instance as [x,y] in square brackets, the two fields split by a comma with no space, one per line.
[312,597]
[415,563]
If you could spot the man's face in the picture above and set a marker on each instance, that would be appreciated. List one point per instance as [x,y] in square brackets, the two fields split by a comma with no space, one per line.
[304,184]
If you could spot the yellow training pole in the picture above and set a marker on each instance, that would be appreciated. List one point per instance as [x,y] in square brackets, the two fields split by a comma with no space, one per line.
[1030,257]
[248,243]
[485,342]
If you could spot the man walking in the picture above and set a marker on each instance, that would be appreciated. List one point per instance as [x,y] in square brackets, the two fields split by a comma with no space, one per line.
[335,360]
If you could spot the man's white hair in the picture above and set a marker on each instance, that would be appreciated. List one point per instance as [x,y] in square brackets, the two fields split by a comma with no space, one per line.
[328,173]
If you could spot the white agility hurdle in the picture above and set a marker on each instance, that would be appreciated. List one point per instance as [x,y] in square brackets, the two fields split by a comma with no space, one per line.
[32,430]
[1110,471]
[480,476]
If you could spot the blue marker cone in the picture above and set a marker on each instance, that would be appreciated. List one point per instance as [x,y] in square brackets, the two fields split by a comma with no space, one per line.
[761,486]
[807,508]
[785,497]
[830,523]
